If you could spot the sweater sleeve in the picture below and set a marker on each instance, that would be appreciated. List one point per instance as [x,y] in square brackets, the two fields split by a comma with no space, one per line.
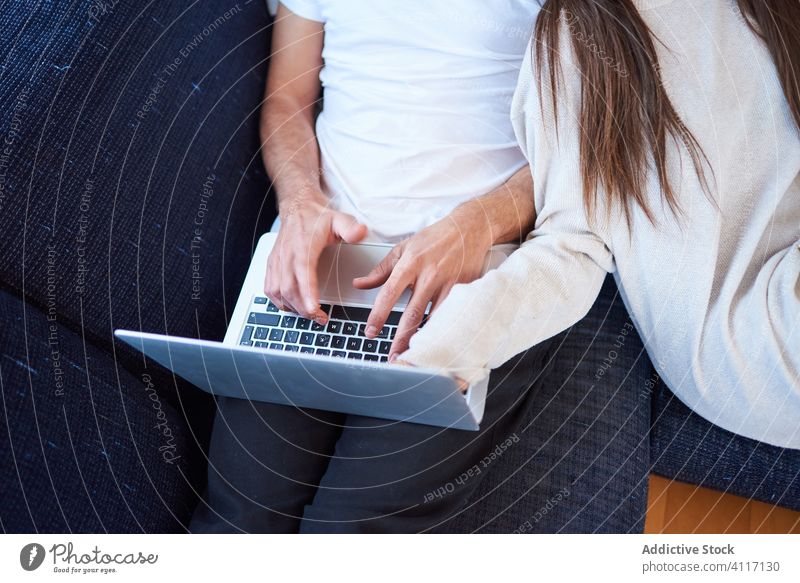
[551,281]
[544,287]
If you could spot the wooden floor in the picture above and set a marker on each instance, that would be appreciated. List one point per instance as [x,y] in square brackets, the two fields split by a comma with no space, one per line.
[680,508]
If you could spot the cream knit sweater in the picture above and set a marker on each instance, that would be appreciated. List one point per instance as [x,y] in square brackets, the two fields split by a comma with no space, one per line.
[715,292]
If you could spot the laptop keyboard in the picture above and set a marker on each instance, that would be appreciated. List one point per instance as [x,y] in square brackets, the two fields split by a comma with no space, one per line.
[342,337]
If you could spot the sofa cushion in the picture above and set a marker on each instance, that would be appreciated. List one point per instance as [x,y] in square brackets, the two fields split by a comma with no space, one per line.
[132,187]
[686,447]
[87,446]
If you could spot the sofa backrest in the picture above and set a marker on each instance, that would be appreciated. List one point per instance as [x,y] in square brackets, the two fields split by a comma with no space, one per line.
[131,186]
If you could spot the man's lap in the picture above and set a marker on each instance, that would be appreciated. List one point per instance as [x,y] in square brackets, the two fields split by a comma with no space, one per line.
[266,461]
[402,477]
[583,459]
[581,424]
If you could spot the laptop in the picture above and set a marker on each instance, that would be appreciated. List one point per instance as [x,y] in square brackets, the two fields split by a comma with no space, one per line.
[279,357]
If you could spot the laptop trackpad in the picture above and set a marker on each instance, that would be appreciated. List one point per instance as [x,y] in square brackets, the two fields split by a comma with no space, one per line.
[340,264]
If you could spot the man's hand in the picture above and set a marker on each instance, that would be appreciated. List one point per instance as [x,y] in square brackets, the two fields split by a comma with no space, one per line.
[431,262]
[448,252]
[291,156]
[291,280]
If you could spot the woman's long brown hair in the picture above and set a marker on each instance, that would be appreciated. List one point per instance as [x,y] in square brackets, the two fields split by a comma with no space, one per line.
[626,118]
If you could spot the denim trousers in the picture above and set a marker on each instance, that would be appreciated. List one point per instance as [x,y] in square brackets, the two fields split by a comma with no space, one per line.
[275,468]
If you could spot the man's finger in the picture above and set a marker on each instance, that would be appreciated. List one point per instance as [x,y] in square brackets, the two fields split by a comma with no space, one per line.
[308,289]
[277,299]
[272,283]
[411,320]
[381,272]
[347,228]
[440,296]
[306,265]
[463,385]
[289,288]
[391,291]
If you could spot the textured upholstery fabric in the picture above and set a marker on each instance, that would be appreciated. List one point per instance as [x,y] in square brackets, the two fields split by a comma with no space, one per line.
[129,124]
[106,146]
[688,448]
[84,444]
[128,163]
[582,461]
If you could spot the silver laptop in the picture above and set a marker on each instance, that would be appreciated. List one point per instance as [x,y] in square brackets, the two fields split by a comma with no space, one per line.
[279,357]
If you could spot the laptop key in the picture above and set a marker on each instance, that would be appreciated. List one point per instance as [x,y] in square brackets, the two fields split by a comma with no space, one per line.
[260,344]
[354,314]
[246,343]
[323,352]
[276,346]
[338,342]
[384,359]
[361,328]
[354,355]
[384,333]
[370,346]
[303,323]
[260,300]
[290,348]
[339,354]
[353,344]
[272,308]
[317,327]
[350,313]
[276,335]
[291,336]
[322,340]
[263,319]
[288,321]
[306,350]
[349,328]
[384,347]
[306,338]
[372,357]
[334,326]
[248,333]
[261,333]
[394,318]
[393,332]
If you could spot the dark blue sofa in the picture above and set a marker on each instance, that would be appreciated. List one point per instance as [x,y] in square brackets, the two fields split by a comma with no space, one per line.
[131,196]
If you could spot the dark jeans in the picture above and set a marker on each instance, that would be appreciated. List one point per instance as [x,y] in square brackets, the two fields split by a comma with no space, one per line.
[583,458]
[278,469]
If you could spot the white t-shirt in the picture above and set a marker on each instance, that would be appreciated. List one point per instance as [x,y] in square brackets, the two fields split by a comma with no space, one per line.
[417,98]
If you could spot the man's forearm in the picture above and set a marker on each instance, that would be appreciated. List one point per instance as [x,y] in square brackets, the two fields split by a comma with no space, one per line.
[291,153]
[504,215]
